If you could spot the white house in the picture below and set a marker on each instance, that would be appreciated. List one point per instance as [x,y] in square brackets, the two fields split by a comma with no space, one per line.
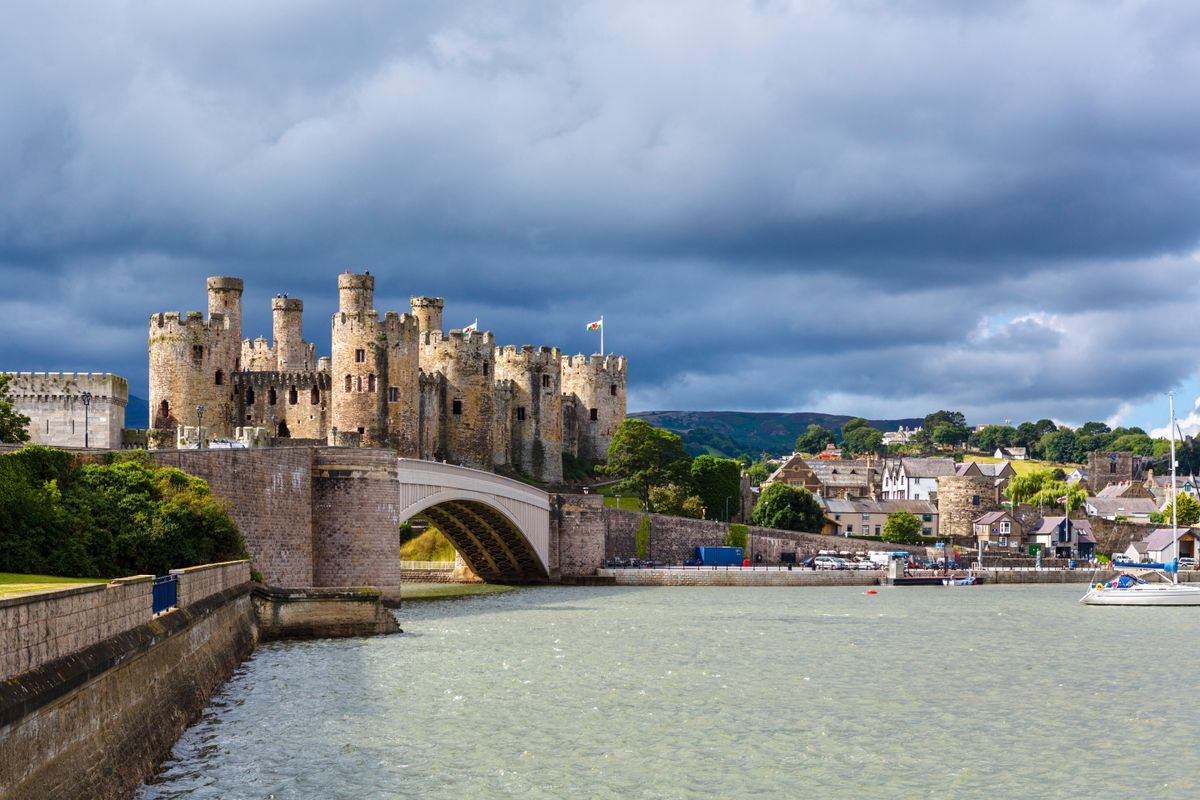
[914,478]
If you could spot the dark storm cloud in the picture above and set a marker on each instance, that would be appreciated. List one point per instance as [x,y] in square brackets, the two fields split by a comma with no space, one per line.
[864,207]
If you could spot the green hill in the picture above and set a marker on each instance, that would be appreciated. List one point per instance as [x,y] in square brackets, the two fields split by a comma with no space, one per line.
[729,434]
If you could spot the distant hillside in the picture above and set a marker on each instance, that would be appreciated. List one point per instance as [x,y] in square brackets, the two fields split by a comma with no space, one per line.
[732,433]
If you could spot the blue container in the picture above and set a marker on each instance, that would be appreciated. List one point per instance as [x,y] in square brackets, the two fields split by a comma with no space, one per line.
[165,593]
[719,556]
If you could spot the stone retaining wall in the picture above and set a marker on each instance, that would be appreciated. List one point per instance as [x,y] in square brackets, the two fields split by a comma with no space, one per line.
[38,628]
[321,613]
[198,583]
[739,577]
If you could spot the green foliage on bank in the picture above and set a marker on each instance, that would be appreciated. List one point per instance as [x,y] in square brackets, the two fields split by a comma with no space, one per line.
[125,517]
[737,536]
[429,545]
[641,539]
[14,427]
[903,528]
[790,508]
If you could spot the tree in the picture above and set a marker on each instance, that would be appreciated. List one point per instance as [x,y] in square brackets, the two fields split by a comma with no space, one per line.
[676,501]
[814,439]
[947,428]
[863,440]
[644,456]
[853,424]
[718,484]
[760,471]
[902,527]
[988,438]
[1137,443]
[1061,446]
[1189,510]
[1041,488]
[13,426]
[790,508]
[954,418]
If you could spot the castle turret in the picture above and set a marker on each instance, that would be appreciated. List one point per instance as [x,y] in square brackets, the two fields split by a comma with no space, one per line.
[359,362]
[466,361]
[533,420]
[428,311]
[594,396]
[291,351]
[225,298]
[356,293]
[191,365]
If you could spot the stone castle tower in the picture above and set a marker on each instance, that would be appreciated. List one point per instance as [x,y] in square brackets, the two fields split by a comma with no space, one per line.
[398,382]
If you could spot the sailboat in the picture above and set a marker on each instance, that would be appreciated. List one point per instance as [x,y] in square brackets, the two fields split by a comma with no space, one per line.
[1130,588]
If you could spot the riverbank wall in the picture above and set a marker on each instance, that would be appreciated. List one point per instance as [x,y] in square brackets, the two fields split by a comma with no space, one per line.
[774,576]
[95,688]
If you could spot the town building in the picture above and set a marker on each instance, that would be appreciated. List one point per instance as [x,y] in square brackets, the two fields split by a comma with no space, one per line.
[1158,546]
[914,478]
[1000,529]
[1105,467]
[1012,453]
[391,380]
[1056,538]
[827,478]
[864,517]
[65,409]
[1134,509]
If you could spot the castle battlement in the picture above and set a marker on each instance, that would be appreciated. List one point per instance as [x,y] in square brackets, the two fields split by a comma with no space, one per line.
[170,323]
[268,378]
[596,363]
[102,385]
[526,356]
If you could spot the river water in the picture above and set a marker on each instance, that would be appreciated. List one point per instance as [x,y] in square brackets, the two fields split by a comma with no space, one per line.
[965,692]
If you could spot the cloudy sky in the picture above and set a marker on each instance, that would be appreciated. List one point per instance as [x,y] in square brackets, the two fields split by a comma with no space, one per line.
[854,206]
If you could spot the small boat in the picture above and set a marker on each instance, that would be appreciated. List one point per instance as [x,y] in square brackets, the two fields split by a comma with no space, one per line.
[1130,589]
[960,580]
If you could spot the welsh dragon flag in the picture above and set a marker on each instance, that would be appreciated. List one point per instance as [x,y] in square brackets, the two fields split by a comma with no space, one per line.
[472,328]
[598,325]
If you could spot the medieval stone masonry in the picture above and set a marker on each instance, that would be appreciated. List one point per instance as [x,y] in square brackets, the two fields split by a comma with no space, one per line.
[392,380]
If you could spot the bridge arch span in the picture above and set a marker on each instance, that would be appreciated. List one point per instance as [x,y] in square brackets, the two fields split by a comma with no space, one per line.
[501,527]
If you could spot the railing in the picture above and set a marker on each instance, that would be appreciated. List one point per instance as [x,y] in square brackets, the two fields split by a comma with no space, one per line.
[432,566]
[166,593]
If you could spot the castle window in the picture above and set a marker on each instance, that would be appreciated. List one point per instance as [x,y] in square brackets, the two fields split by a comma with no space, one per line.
[371,382]
[545,381]
[347,383]
[520,413]
[293,396]
[271,396]
[315,396]
[1112,467]
[457,408]
[358,384]
[360,356]
[164,412]
[975,500]
[219,378]
[594,414]
[485,369]
[393,394]
[612,389]
[250,396]
[197,354]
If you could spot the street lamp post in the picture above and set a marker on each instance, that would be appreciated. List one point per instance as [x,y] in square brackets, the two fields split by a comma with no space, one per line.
[199,427]
[86,399]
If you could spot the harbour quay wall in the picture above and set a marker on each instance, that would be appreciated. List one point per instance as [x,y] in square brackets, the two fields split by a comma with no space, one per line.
[738,576]
[95,721]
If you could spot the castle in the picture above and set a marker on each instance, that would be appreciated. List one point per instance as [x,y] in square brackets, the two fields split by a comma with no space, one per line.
[396,381]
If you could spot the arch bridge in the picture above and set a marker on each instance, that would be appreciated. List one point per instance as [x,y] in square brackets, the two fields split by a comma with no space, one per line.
[500,526]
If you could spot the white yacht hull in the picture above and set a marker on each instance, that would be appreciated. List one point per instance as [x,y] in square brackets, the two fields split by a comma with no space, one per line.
[1150,594]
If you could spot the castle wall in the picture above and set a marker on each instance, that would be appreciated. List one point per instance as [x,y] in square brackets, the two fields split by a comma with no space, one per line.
[530,432]
[1106,468]
[52,402]
[432,389]
[292,353]
[402,391]
[301,403]
[503,412]
[258,355]
[598,387]
[466,419]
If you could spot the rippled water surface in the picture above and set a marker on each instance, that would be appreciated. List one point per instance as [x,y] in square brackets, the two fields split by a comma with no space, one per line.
[986,692]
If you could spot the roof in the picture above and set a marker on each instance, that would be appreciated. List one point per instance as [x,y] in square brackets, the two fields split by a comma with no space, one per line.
[1138,547]
[927,467]
[841,473]
[1115,490]
[995,470]
[993,516]
[1049,525]
[1160,538]
[967,468]
[1111,506]
[837,506]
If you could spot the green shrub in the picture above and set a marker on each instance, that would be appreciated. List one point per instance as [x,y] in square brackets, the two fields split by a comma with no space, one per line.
[737,536]
[123,517]
[641,540]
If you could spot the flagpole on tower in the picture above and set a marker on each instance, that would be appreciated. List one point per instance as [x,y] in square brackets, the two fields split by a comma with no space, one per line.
[601,334]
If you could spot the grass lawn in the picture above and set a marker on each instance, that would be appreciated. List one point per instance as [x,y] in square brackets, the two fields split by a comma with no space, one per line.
[613,500]
[1022,467]
[438,591]
[15,583]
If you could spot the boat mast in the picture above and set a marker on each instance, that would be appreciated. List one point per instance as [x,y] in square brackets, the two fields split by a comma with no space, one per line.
[1174,494]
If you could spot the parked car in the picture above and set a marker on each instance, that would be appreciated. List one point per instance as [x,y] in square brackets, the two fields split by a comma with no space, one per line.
[831,562]
[1187,563]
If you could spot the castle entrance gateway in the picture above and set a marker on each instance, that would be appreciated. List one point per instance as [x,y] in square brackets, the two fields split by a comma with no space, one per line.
[501,527]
